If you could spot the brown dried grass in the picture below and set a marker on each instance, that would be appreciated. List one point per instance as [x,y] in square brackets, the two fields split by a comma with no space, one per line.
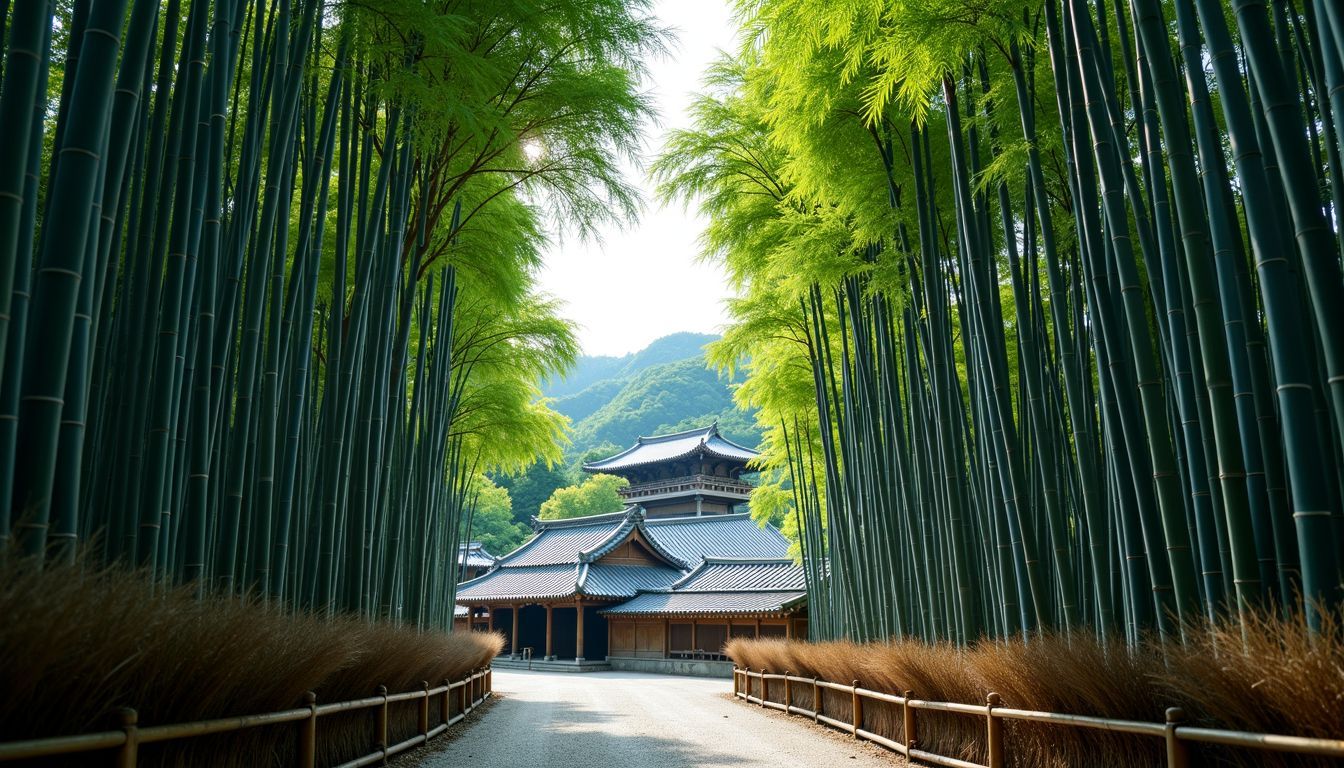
[1277,677]
[79,643]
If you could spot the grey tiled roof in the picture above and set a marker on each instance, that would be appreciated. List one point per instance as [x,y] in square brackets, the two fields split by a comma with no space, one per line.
[559,560]
[542,582]
[473,555]
[633,520]
[681,445]
[562,543]
[694,538]
[603,580]
[652,603]
[727,575]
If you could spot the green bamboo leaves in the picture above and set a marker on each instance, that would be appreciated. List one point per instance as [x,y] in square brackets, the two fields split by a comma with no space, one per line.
[282,263]
[1047,383]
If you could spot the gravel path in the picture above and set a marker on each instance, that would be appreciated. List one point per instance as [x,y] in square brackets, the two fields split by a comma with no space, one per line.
[632,720]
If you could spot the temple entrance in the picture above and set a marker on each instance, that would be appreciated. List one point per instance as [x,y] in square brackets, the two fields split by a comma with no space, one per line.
[563,632]
[501,620]
[594,633]
[532,629]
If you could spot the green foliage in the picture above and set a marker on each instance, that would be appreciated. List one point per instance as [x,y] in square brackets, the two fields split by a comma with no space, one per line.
[530,488]
[601,369]
[595,496]
[316,230]
[492,520]
[1001,295]
[656,400]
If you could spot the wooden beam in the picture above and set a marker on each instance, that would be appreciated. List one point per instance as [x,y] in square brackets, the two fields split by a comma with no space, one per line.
[514,650]
[549,610]
[578,650]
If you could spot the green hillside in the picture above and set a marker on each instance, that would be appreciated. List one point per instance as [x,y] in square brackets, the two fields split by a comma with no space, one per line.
[663,398]
[662,388]
[594,369]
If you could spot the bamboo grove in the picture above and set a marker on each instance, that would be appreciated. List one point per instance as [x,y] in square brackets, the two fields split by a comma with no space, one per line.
[267,292]
[1041,303]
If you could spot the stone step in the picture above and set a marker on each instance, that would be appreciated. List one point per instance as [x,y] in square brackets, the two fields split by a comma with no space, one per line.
[562,665]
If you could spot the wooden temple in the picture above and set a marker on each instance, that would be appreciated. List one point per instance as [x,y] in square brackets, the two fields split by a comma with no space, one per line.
[675,574]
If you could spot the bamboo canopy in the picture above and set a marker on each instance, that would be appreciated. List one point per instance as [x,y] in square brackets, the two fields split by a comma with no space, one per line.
[1041,304]
[267,278]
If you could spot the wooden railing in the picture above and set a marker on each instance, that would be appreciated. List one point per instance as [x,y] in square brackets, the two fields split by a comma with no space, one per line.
[725,485]
[1178,737]
[470,692]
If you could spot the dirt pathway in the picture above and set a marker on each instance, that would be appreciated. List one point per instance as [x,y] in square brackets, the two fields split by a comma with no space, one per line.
[632,720]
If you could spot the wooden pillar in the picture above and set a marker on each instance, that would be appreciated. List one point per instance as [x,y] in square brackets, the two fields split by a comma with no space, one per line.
[549,610]
[758,627]
[578,649]
[788,628]
[667,646]
[514,650]
[695,640]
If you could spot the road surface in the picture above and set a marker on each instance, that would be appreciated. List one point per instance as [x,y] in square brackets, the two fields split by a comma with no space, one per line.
[634,720]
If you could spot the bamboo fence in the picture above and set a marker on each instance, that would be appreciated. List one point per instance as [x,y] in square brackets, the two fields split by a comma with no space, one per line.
[1178,737]
[469,692]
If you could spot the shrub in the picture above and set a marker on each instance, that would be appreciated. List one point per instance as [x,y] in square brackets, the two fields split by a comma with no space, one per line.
[81,643]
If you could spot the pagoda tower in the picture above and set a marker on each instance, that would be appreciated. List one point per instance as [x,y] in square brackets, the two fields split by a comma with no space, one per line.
[692,473]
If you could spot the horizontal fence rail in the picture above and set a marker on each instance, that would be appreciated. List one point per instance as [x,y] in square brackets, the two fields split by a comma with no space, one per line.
[756,687]
[469,693]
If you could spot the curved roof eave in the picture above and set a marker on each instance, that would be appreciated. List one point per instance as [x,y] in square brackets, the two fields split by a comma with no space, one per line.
[634,521]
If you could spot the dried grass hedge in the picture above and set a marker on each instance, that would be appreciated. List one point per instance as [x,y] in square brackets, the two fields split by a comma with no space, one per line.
[1277,678]
[79,643]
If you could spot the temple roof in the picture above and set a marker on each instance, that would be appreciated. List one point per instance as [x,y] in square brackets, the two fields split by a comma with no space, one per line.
[722,574]
[473,555]
[551,582]
[695,538]
[565,557]
[725,585]
[680,603]
[561,541]
[674,447]
[541,582]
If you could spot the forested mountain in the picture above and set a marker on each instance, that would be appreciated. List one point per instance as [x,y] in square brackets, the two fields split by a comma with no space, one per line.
[596,369]
[664,387]
[664,398]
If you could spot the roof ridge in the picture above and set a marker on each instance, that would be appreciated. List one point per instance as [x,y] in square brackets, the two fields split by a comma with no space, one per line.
[749,561]
[697,518]
[579,522]
[712,429]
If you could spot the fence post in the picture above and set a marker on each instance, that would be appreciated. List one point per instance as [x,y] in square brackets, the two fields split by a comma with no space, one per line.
[734,681]
[788,693]
[446,704]
[489,680]
[816,700]
[994,729]
[424,711]
[1178,754]
[463,698]
[128,718]
[908,716]
[308,733]
[382,723]
[858,707]
[765,690]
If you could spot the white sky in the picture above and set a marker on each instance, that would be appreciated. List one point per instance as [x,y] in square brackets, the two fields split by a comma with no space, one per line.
[637,284]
